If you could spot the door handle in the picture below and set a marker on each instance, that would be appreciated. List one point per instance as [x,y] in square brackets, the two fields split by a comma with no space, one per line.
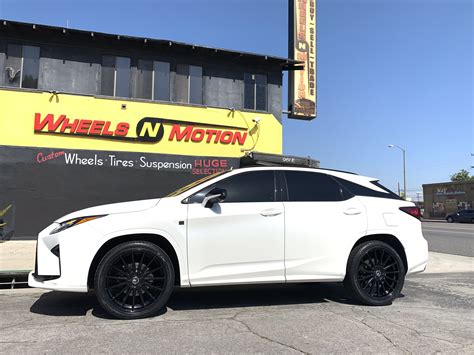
[352,211]
[270,212]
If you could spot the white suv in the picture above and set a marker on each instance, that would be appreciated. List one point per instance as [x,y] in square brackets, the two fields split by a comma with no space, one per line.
[244,226]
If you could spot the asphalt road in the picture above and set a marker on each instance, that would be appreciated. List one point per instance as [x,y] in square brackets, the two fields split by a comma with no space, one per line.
[450,238]
[435,314]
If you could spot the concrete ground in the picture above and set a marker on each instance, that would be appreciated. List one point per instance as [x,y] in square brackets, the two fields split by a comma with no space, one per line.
[435,314]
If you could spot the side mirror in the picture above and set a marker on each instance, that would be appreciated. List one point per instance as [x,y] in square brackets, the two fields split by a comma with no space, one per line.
[214,196]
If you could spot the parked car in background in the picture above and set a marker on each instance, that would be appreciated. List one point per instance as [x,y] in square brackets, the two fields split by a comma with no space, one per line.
[462,216]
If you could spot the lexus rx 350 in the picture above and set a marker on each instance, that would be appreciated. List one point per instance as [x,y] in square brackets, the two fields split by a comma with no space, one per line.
[244,226]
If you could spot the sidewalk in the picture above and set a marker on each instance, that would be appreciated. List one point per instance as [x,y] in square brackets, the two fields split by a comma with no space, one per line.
[19,256]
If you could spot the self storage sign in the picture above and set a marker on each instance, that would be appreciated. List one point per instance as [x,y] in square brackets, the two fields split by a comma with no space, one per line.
[148,129]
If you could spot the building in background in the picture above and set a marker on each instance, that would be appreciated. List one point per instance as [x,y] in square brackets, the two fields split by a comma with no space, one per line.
[88,118]
[444,198]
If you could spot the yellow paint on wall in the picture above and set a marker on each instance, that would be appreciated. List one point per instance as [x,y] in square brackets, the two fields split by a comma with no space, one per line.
[18,109]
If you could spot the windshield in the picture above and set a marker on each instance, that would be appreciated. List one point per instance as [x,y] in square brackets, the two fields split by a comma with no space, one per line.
[196,183]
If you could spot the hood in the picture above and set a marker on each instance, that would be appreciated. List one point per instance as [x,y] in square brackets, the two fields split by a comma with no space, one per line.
[122,207]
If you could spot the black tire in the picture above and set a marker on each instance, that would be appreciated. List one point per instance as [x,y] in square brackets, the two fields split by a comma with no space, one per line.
[134,280]
[450,220]
[375,273]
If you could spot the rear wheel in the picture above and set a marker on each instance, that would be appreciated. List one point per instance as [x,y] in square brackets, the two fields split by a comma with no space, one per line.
[375,273]
[134,280]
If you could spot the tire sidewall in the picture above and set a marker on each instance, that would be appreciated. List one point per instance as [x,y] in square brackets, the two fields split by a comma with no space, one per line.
[101,272]
[355,260]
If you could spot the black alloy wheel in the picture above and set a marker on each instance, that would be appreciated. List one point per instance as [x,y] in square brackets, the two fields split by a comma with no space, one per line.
[375,274]
[134,280]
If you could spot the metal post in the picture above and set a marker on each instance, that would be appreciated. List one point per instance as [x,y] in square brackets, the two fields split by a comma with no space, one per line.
[404,170]
[404,177]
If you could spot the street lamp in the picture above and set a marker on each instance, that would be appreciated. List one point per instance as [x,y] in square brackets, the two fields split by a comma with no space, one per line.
[404,170]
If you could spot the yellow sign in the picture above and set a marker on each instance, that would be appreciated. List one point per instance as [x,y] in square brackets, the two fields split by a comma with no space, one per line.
[302,47]
[40,119]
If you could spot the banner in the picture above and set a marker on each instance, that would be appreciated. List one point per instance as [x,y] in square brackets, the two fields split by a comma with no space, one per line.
[40,119]
[302,47]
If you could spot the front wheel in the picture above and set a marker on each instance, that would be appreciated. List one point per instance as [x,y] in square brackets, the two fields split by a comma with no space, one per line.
[134,280]
[375,273]
[450,219]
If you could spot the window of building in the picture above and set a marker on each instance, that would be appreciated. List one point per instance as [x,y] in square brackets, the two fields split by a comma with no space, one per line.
[115,79]
[255,92]
[306,186]
[188,84]
[152,80]
[22,66]
[161,81]
[144,80]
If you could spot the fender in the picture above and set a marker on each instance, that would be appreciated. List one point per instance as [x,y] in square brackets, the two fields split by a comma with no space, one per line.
[182,260]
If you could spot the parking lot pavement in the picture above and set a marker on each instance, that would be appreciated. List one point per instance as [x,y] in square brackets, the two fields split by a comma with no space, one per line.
[434,314]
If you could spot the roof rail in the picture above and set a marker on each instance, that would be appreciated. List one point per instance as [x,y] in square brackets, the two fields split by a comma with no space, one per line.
[266,159]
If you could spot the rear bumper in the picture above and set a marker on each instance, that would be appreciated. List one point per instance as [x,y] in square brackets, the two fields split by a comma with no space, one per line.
[417,256]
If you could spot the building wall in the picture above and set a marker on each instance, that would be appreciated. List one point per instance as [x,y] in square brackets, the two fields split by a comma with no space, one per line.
[444,198]
[77,69]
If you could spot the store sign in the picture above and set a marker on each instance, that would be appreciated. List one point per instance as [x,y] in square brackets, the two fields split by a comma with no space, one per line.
[302,47]
[148,129]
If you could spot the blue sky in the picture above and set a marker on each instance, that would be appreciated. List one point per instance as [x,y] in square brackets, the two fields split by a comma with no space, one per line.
[389,71]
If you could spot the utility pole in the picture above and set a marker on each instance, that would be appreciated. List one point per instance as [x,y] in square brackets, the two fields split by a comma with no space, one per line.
[404,170]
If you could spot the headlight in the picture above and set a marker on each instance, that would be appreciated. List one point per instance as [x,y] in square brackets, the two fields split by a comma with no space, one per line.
[73,222]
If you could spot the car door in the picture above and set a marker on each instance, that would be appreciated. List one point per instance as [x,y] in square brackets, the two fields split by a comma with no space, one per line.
[321,226]
[238,240]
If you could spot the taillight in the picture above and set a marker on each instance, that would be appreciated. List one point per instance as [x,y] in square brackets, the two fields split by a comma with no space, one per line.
[412,211]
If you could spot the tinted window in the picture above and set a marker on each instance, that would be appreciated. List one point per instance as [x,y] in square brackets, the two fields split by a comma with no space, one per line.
[360,190]
[306,186]
[30,67]
[255,92]
[249,91]
[181,83]
[195,85]
[107,75]
[261,92]
[256,186]
[13,65]
[162,81]
[144,79]
[122,77]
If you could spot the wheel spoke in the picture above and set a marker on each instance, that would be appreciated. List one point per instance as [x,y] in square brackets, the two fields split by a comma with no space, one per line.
[140,265]
[153,286]
[120,271]
[389,266]
[118,294]
[118,285]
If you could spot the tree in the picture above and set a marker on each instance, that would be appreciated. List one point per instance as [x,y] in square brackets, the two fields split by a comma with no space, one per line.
[462,175]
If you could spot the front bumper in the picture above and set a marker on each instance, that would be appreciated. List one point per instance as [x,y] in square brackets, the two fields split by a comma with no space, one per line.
[63,259]
[55,284]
